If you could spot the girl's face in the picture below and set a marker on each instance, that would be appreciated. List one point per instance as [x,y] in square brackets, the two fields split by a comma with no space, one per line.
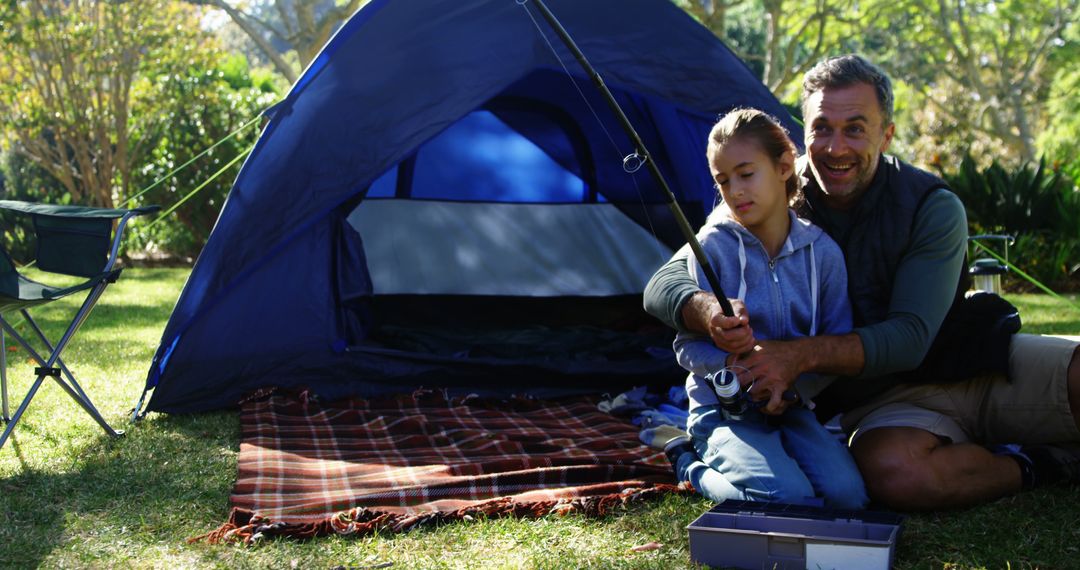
[751,183]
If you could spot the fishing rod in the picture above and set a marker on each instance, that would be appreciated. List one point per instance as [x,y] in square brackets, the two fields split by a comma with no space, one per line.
[641,153]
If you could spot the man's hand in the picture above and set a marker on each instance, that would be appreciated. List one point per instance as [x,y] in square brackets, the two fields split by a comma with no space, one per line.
[774,366]
[732,334]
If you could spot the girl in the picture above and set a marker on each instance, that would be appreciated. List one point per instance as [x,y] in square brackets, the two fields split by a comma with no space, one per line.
[792,279]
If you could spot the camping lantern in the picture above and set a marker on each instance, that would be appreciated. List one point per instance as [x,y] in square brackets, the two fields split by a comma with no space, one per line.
[986,272]
[986,275]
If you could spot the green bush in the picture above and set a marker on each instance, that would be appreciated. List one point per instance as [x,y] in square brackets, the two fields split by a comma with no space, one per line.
[1037,205]
[200,108]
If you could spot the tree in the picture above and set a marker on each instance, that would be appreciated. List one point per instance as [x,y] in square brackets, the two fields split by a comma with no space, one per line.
[67,67]
[302,26]
[978,68]
[1059,140]
[101,107]
[780,39]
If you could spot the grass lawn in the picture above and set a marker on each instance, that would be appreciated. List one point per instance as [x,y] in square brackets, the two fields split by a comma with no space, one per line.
[71,497]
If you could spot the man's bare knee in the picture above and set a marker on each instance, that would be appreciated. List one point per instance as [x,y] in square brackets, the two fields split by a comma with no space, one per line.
[895,464]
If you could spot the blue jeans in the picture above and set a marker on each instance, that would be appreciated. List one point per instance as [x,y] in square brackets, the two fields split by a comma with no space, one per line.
[749,459]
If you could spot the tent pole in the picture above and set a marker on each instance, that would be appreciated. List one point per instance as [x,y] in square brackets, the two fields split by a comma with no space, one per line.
[642,152]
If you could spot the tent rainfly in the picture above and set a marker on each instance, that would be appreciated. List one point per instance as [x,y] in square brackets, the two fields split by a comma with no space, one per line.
[441,201]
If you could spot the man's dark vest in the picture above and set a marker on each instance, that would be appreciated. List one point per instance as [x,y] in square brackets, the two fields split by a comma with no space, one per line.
[973,339]
[880,233]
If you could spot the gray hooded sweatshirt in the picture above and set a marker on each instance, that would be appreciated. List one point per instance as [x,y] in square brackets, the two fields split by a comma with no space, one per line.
[800,292]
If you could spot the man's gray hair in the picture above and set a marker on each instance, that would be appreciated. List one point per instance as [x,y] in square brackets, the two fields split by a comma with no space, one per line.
[845,71]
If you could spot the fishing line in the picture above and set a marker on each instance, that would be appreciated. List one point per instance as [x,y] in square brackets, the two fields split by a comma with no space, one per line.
[573,82]
[632,162]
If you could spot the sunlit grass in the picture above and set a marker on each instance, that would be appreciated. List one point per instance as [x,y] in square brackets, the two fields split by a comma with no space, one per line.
[1043,314]
[72,497]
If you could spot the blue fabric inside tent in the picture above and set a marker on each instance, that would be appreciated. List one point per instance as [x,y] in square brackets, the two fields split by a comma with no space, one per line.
[445,102]
[498,160]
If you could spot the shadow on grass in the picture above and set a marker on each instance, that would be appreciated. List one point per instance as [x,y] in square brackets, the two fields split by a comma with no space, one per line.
[167,479]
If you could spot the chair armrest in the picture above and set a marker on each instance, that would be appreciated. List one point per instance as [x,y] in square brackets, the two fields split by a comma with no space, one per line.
[143,210]
[63,211]
[66,221]
[119,232]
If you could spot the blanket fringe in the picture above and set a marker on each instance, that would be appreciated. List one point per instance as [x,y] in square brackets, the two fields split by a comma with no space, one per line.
[249,528]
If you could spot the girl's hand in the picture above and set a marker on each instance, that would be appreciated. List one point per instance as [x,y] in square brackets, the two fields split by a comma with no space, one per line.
[732,334]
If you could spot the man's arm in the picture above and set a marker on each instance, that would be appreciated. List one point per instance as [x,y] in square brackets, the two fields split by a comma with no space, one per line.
[668,291]
[673,296]
[923,289]
[775,364]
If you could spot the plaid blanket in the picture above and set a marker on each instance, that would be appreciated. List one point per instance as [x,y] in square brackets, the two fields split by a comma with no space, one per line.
[357,466]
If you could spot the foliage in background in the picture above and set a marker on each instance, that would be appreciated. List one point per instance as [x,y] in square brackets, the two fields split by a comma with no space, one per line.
[1037,205]
[288,34]
[1060,140]
[977,73]
[779,39]
[85,129]
[142,85]
[66,72]
[24,180]
[199,106]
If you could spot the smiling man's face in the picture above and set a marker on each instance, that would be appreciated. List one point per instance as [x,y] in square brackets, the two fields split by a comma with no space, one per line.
[845,136]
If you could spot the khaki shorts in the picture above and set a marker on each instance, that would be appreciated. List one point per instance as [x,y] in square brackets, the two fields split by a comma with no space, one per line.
[1033,408]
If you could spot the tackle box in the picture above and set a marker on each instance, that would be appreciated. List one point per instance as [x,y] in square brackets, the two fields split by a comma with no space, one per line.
[755,535]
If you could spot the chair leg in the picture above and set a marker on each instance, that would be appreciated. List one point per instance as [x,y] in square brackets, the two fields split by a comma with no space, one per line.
[77,392]
[22,408]
[63,367]
[87,405]
[47,366]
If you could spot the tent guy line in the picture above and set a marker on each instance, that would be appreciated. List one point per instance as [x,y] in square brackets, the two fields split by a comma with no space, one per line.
[173,172]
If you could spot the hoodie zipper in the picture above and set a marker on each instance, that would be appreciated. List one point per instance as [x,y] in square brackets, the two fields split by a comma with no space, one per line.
[777,295]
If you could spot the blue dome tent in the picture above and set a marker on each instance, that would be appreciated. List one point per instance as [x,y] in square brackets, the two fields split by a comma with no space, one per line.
[440,201]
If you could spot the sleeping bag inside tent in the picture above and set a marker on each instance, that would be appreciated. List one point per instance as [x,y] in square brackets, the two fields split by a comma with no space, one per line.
[441,201]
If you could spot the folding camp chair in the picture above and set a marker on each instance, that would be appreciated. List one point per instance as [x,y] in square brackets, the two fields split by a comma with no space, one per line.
[71,240]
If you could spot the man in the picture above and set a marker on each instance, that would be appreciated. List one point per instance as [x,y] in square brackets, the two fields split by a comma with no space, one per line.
[919,445]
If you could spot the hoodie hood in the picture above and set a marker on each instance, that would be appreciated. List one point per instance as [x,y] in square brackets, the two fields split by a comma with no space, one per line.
[801,234]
